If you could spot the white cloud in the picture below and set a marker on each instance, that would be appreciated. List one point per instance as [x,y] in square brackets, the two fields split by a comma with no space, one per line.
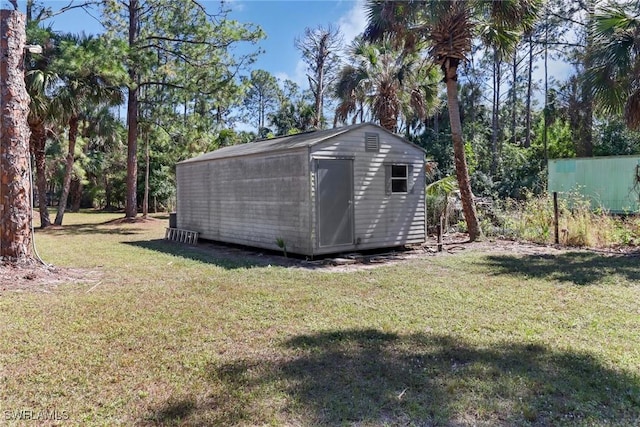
[236,5]
[558,70]
[353,22]
[299,75]
[282,76]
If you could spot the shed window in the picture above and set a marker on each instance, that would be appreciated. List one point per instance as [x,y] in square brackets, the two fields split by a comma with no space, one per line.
[399,178]
[371,142]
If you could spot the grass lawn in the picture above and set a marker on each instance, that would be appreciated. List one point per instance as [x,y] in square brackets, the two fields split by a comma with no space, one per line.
[160,334]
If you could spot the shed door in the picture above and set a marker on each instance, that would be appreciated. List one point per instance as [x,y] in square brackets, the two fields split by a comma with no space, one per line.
[334,189]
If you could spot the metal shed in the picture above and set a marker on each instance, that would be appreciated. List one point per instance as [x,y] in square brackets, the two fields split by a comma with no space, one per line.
[351,188]
[608,182]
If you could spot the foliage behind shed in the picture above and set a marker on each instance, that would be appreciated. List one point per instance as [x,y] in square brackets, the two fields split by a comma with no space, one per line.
[352,188]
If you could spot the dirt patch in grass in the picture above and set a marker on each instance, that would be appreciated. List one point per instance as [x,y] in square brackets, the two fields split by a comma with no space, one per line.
[458,242]
[234,256]
[137,220]
[452,245]
[36,277]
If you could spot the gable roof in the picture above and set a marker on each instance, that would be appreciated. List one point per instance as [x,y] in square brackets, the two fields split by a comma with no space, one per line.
[283,143]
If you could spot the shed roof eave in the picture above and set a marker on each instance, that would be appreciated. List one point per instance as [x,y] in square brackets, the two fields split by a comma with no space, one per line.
[290,143]
[273,145]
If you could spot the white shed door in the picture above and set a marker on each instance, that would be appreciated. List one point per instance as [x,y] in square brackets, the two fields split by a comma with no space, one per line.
[334,190]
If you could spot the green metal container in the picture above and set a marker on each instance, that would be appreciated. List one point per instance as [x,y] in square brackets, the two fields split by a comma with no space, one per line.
[610,183]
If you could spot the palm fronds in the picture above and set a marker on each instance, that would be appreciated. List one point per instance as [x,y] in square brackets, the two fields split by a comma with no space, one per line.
[614,63]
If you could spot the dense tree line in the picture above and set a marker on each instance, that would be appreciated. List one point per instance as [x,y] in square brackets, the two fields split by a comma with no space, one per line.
[467,80]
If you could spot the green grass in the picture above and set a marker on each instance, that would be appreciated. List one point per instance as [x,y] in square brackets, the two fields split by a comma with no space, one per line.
[169,335]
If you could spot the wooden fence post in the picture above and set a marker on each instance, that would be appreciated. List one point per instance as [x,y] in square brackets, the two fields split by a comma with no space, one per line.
[555,218]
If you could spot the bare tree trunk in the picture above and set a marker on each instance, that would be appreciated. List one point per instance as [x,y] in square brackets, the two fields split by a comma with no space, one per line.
[66,183]
[29,10]
[262,106]
[76,194]
[15,186]
[107,192]
[319,49]
[527,136]
[436,123]
[145,201]
[38,141]
[545,135]
[131,209]
[495,113]
[185,110]
[319,104]
[586,149]
[514,98]
[462,172]
[586,125]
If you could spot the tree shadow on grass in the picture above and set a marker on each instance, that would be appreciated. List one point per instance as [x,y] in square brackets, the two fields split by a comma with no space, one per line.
[227,257]
[101,228]
[367,377]
[175,410]
[581,268]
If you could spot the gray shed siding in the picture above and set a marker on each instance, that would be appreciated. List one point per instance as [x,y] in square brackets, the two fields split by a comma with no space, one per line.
[381,220]
[256,193]
[249,200]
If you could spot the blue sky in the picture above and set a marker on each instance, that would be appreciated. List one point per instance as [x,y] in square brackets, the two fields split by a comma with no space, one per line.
[281,20]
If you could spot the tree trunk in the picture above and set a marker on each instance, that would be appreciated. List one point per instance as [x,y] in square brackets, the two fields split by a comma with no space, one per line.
[262,107]
[586,128]
[527,135]
[390,123]
[38,142]
[145,201]
[586,125]
[495,111]
[545,134]
[436,123]
[320,91]
[131,209]
[15,186]
[76,195]
[29,10]
[66,183]
[107,192]
[514,98]
[462,172]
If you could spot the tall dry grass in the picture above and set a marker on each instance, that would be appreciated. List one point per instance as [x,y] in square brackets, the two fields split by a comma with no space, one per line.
[579,224]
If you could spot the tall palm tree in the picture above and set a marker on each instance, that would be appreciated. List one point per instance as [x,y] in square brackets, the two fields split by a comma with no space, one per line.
[40,81]
[614,75]
[85,83]
[449,28]
[350,94]
[103,134]
[394,86]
